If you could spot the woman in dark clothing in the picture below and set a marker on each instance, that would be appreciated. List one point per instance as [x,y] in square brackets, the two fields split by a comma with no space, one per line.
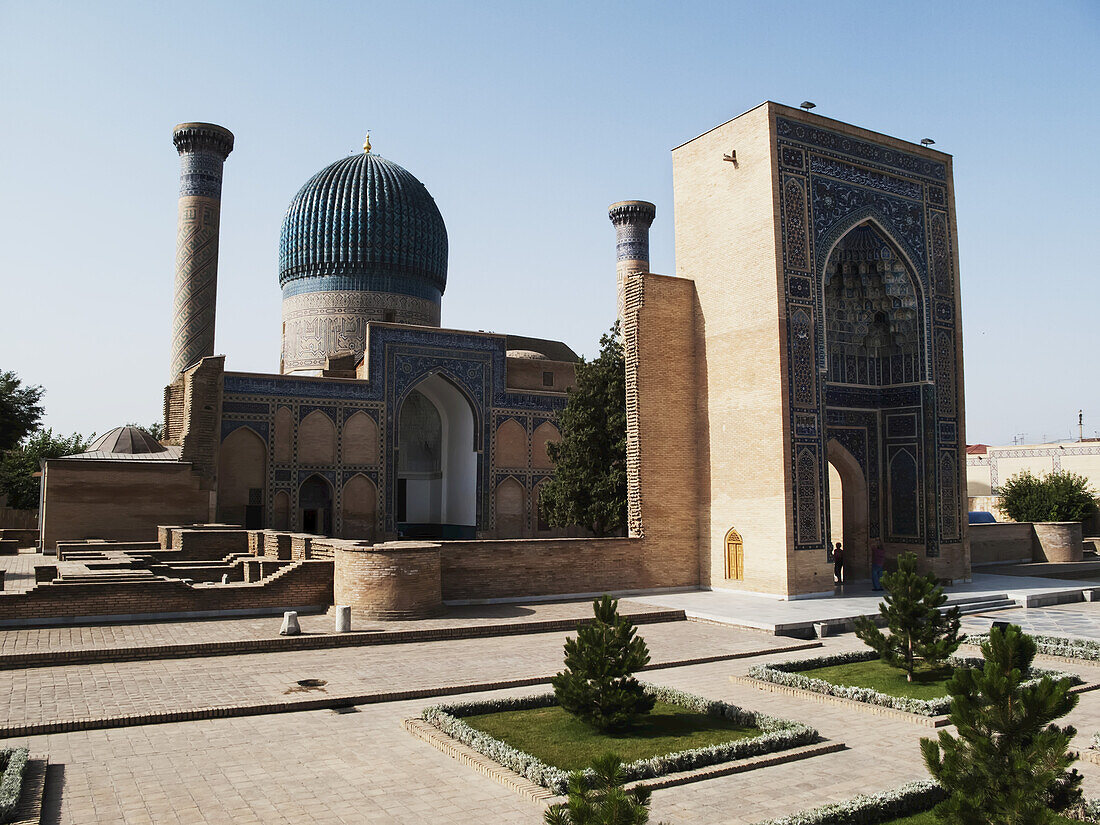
[838,564]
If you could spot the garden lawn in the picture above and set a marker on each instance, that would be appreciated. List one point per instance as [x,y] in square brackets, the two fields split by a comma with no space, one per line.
[877,675]
[558,738]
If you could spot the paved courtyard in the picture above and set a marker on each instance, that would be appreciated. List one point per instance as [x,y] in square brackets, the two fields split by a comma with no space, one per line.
[324,766]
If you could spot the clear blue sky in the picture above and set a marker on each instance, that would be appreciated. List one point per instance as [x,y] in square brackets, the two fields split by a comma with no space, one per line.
[524,120]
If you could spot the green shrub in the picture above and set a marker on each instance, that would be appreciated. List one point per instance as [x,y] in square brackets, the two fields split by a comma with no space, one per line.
[14,763]
[919,631]
[597,684]
[1056,496]
[1008,765]
[601,800]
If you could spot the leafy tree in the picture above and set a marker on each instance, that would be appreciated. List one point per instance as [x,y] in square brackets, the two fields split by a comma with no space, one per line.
[919,631]
[20,410]
[597,685]
[18,466]
[155,430]
[1008,764]
[601,800]
[589,483]
[1056,496]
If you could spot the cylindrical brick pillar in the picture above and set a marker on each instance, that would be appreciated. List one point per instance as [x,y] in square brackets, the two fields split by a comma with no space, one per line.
[1058,541]
[632,220]
[395,580]
[203,148]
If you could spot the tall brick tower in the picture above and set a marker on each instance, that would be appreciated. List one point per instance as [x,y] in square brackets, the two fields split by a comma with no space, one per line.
[203,148]
[632,220]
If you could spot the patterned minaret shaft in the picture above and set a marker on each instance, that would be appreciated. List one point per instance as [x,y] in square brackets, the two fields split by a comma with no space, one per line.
[203,148]
[632,220]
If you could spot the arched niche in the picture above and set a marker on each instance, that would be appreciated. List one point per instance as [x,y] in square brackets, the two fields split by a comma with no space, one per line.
[317,439]
[315,506]
[545,433]
[284,435]
[281,516]
[511,516]
[359,508]
[360,440]
[511,445]
[242,478]
[437,459]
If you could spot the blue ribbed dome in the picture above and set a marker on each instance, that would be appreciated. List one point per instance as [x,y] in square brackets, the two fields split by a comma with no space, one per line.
[364,223]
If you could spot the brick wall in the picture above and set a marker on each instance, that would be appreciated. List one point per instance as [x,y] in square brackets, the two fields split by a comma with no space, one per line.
[396,581]
[118,500]
[1002,542]
[203,545]
[307,583]
[542,567]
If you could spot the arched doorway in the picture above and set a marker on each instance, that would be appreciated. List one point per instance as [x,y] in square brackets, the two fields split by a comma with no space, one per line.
[242,478]
[850,525]
[735,556]
[315,506]
[436,462]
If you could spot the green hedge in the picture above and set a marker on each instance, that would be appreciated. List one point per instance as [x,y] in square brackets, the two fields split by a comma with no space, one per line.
[14,762]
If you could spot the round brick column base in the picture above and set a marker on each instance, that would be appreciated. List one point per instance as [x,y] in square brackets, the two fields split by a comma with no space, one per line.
[395,580]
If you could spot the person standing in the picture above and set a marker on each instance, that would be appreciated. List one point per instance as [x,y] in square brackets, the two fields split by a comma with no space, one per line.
[878,563]
[838,564]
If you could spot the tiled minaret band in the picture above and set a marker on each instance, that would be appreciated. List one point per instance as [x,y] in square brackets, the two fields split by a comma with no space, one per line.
[632,220]
[203,148]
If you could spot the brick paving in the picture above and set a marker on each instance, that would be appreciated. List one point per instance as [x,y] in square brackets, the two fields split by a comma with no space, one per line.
[1080,620]
[325,767]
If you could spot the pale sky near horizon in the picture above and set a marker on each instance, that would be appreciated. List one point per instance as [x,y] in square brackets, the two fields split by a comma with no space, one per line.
[524,121]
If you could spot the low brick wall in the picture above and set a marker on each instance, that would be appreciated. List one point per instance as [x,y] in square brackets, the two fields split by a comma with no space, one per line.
[300,544]
[136,547]
[474,570]
[304,584]
[1001,543]
[208,544]
[276,544]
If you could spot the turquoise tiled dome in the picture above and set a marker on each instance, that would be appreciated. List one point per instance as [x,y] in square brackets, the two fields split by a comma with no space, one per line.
[363,223]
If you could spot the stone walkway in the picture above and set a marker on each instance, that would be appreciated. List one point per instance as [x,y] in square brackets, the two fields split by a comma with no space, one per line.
[104,637]
[362,768]
[1079,621]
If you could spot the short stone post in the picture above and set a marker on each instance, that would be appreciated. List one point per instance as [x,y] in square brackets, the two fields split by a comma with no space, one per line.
[821,629]
[343,618]
[225,578]
[290,624]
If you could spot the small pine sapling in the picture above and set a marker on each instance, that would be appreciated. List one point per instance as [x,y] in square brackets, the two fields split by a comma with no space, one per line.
[919,630]
[601,800]
[597,684]
[1009,764]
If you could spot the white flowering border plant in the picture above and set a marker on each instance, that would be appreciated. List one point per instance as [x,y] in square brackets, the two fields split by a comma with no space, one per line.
[778,735]
[1053,646]
[870,809]
[787,673]
[13,762]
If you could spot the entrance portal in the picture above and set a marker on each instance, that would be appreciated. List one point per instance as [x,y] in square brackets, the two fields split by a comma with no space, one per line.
[315,506]
[436,463]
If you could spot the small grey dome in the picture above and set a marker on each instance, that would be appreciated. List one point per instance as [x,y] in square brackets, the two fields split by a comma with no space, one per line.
[127,441]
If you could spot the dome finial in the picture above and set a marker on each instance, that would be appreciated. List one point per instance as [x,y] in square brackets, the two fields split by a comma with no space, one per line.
[366,143]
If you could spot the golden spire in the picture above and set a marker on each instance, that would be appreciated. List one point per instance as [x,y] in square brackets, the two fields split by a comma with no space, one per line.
[366,143]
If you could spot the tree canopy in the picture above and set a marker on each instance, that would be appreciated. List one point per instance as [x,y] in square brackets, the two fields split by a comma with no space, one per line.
[18,466]
[589,483]
[20,409]
[1056,496]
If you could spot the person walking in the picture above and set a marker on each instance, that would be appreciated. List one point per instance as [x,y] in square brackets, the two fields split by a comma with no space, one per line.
[838,564]
[878,564]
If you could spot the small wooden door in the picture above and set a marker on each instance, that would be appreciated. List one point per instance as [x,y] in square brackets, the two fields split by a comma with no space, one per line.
[735,556]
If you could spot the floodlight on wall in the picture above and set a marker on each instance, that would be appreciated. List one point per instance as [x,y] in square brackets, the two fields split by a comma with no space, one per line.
[807,105]
[926,141]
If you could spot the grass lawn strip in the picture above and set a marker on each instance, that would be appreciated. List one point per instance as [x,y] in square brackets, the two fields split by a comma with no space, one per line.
[774,735]
[560,739]
[795,674]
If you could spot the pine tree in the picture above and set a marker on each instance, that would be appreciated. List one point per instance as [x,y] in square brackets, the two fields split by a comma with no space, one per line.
[1008,765]
[589,483]
[601,801]
[597,685]
[919,630]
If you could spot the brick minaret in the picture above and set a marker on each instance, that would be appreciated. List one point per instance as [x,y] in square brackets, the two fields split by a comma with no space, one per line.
[203,148]
[632,220]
